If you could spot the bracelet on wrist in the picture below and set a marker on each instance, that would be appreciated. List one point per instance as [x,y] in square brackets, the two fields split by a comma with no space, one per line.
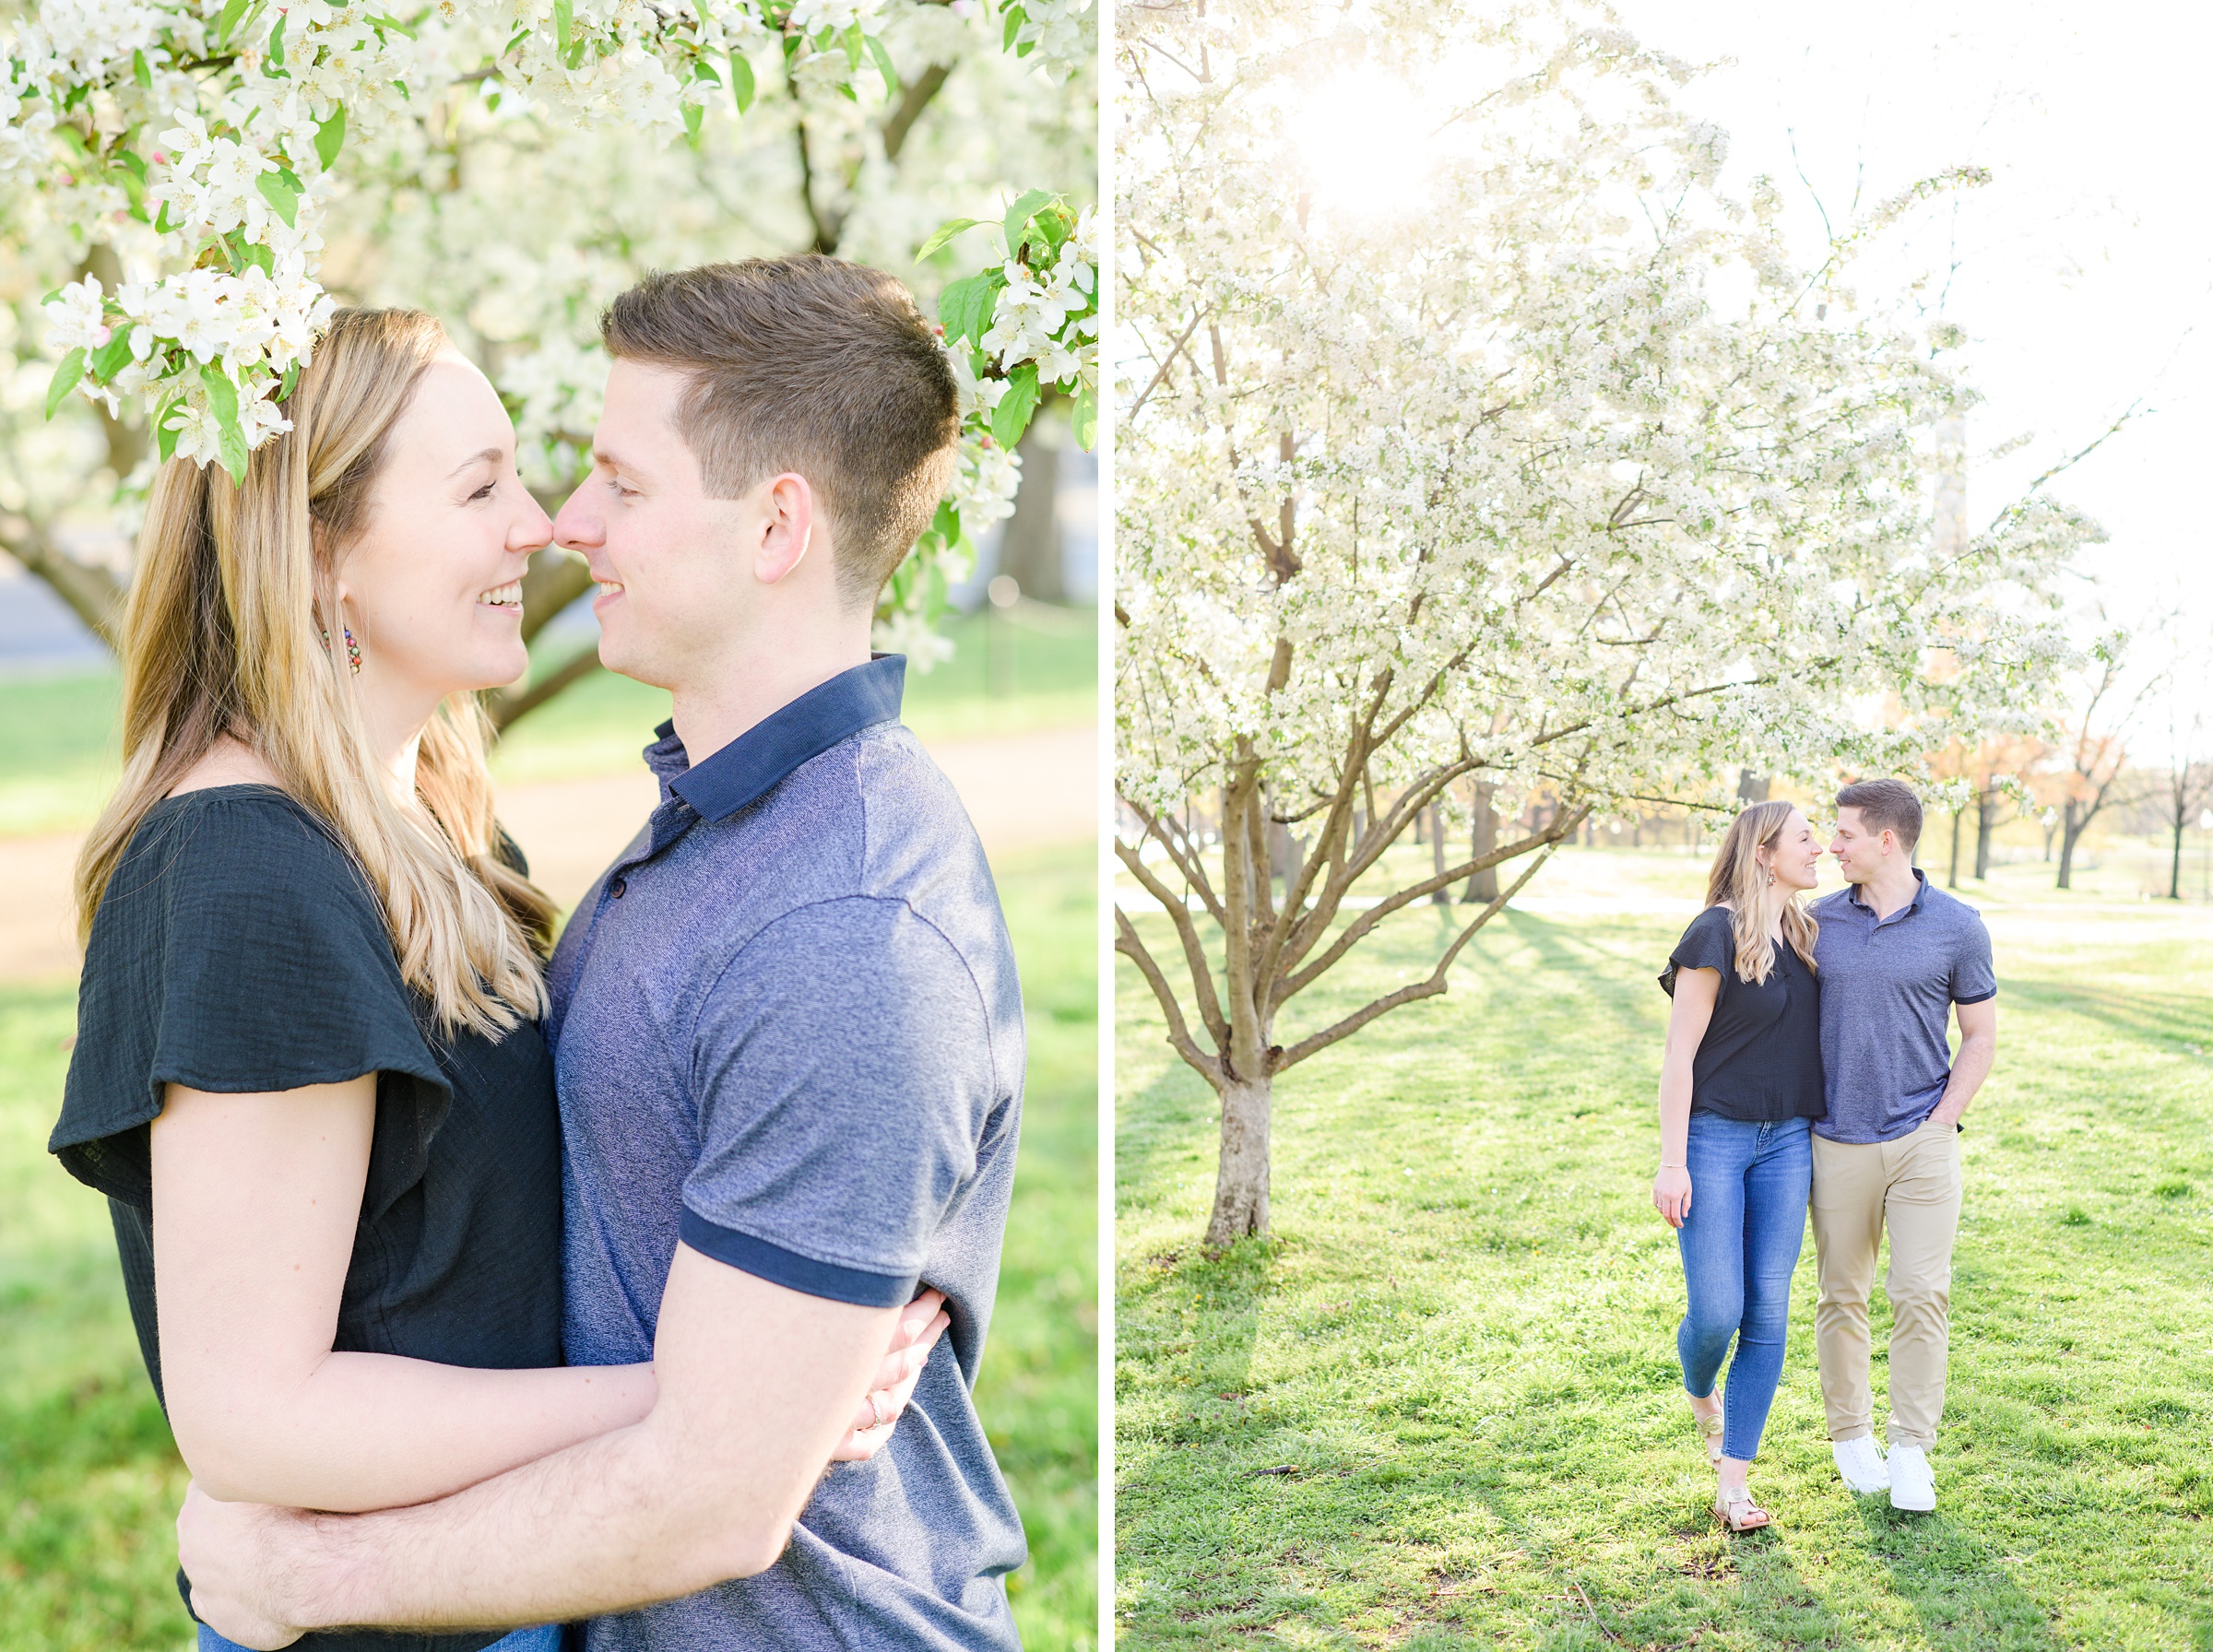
[1666,1165]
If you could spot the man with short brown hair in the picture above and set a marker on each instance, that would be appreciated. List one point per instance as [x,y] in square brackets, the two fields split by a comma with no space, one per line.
[788,1037]
[1897,957]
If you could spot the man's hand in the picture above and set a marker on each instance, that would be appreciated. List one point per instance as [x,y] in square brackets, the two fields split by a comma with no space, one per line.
[921,1323]
[237,1556]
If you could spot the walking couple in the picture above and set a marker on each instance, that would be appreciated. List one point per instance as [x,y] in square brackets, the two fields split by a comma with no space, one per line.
[567,1274]
[1808,1057]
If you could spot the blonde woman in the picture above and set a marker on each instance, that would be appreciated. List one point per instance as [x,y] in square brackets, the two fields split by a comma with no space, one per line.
[1740,1086]
[309,1037]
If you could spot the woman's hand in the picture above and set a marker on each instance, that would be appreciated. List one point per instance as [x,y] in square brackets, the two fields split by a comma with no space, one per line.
[1671,1193]
[917,1332]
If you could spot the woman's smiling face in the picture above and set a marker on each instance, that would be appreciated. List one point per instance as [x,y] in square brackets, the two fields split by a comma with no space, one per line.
[431,588]
[1795,855]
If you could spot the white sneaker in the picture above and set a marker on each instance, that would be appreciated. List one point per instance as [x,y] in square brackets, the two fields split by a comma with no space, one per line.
[1912,1482]
[1862,1465]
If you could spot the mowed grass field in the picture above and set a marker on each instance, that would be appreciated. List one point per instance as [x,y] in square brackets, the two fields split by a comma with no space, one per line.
[1441,1408]
[89,1479]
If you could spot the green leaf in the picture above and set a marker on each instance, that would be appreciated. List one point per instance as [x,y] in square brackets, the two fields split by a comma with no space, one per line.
[565,15]
[742,81]
[161,224]
[276,54]
[108,359]
[1086,418]
[394,25]
[282,190]
[701,69]
[228,21]
[330,138]
[1025,208]
[291,377]
[1011,417]
[64,380]
[945,233]
[692,115]
[253,255]
[165,439]
[141,70]
[965,307]
[519,37]
[222,401]
[882,55]
[855,44]
[1015,17]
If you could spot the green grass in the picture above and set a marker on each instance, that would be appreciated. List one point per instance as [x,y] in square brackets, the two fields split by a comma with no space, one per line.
[58,754]
[1439,1407]
[58,750]
[1004,678]
[89,1480]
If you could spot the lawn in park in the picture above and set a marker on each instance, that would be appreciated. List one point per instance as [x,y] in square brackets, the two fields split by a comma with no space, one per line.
[1011,672]
[1439,1406]
[89,1479]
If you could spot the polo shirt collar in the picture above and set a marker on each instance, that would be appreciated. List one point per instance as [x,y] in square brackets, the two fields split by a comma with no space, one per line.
[758,759]
[1921,888]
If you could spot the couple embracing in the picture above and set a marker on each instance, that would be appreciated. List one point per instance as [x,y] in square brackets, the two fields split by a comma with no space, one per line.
[1807,1062]
[502,1294]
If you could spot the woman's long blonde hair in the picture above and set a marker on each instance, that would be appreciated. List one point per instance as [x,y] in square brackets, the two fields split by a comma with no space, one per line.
[227,632]
[1741,883]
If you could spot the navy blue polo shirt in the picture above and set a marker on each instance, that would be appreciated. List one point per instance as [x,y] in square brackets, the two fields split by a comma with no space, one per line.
[1888,988]
[787,1030]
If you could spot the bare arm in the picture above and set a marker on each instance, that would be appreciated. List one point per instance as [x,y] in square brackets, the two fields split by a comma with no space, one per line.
[756,1385]
[1978,1050]
[256,1198]
[1696,994]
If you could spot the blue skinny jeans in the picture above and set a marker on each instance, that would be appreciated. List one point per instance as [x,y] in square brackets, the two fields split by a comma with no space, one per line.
[1749,1188]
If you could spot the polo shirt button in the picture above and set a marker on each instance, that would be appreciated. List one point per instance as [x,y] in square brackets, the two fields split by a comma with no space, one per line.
[616,888]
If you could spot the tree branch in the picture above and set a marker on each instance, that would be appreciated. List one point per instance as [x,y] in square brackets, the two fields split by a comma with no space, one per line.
[1194,953]
[912,103]
[1126,943]
[1428,988]
[510,705]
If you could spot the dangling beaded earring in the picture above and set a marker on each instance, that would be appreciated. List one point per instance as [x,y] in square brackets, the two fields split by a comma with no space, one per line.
[353,658]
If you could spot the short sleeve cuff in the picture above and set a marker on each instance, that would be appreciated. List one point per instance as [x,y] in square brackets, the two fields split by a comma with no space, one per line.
[1981,997]
[830,1280]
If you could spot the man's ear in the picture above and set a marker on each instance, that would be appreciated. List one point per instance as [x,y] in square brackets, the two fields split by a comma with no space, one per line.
[788,527]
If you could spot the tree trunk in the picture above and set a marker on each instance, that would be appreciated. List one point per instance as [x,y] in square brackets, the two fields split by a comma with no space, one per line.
[1440,895]
[1241,1177]
[1483,886]
[1986,808]
[2070,834]
[1951,878]
[1030,551]
[2174,864]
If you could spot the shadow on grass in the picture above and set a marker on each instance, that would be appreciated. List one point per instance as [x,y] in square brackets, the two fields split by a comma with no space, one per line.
[2154,1017]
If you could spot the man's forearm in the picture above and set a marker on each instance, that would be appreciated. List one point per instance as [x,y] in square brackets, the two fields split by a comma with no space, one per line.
[608,1524]
[1969,1067]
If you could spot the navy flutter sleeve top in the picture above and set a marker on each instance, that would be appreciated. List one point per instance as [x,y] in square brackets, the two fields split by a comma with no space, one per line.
[1760,1059]
[239,948]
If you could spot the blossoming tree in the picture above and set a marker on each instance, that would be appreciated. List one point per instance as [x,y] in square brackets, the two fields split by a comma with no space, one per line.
[208,170]
[1559,480]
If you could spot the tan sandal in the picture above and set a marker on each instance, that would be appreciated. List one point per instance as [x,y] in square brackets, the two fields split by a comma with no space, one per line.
[1740,1514]
[1709,1434]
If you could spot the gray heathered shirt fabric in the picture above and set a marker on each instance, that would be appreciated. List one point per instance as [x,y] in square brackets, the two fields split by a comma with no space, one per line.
[1887,995]
[792,1028]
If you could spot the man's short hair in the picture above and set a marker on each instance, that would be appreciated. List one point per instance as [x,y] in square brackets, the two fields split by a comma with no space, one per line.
[1885,805]
[806,364]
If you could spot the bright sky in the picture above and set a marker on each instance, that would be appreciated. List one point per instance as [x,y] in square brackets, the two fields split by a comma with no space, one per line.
[2086,266]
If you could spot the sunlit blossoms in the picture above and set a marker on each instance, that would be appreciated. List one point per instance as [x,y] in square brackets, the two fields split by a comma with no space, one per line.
[217,127]
[1515,477]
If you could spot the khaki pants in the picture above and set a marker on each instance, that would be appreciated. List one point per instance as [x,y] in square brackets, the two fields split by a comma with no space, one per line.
[1911,1186]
